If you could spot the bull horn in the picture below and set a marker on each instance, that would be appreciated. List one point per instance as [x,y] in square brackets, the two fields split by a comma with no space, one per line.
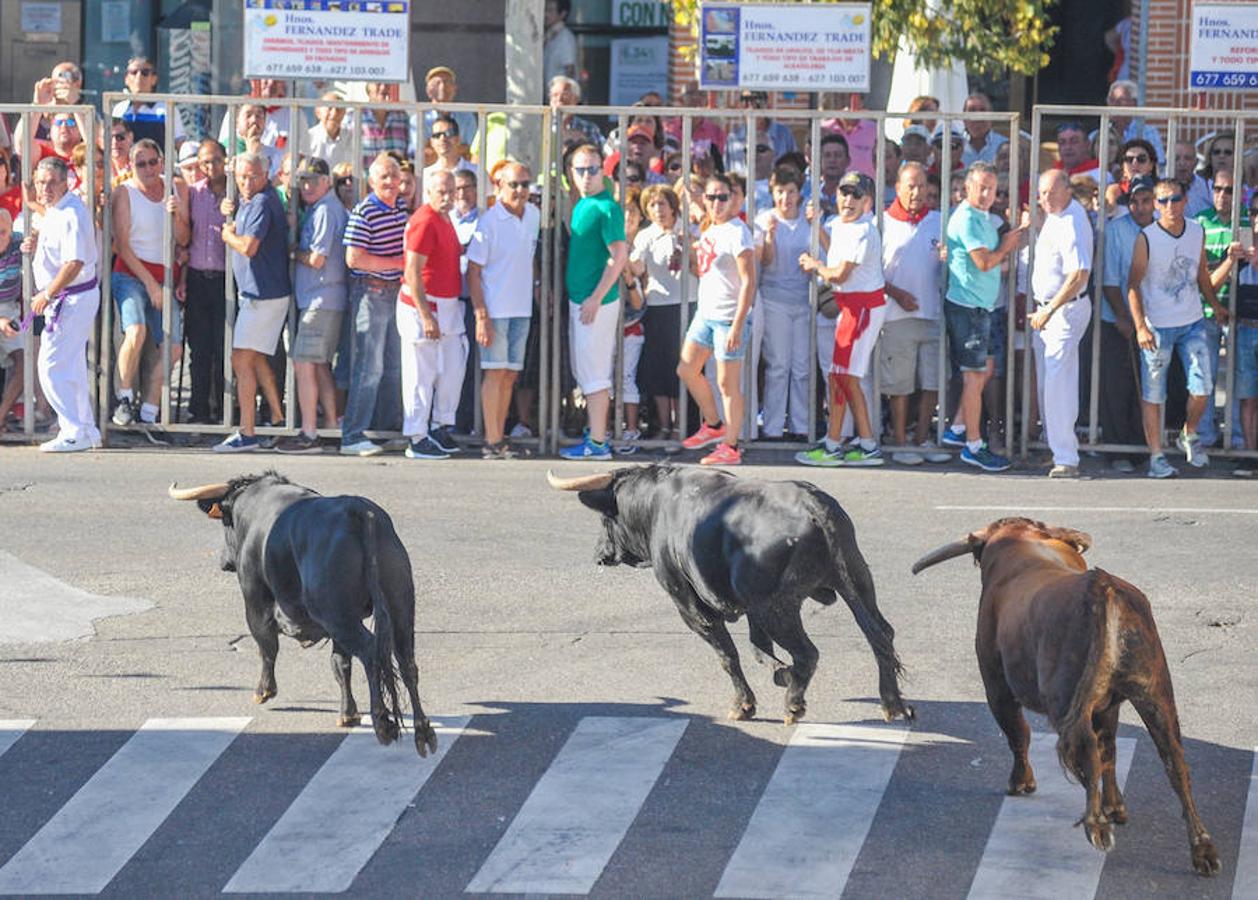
[582,483]
[204,492]
[946,552]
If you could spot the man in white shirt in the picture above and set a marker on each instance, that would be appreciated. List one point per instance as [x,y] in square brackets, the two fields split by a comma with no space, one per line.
[559,51]
[63,261]
[1059,281]
[981,142]
[327,140]
[1124,93]
[500,279]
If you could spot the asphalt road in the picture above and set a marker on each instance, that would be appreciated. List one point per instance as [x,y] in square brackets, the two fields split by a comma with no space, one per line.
[584,746]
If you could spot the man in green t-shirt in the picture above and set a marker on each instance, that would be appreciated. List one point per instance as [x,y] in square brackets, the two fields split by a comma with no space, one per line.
[597,252]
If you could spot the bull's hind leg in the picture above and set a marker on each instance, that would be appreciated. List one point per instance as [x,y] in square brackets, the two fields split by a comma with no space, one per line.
[786,628]
[1105,723]
[404,650]
[342,664]
[856,587]
[1157,709]
[266,634]
[709,626]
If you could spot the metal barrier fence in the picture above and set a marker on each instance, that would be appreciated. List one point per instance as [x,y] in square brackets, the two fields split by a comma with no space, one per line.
[1174,117]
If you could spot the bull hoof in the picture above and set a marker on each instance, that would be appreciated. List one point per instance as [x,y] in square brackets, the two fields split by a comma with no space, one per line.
[349,721]
[1205,859]
[898,709]
[1019,786]
[1100,833]
[425,739]
[1116,814]
[263,695]
[386,729]
[743,712]
[794,714]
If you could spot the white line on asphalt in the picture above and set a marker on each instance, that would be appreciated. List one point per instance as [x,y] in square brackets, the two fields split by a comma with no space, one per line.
[343,814]
[580,809]
[81,848]
[11,730]
[812,819]
[1245,887]
[1251,511]
[1034,850]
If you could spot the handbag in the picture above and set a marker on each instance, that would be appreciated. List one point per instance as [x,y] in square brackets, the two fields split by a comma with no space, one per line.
[827,304]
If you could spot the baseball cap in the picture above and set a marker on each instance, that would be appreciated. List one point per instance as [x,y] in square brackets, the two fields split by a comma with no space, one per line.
[187,152]
[610,164]
[641,129]
[313,167]
[1140,183]
[860,181]
[957,129]
[919,130]
[439,70]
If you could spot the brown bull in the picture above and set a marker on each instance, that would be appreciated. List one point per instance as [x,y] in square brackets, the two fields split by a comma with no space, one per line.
[1073,643]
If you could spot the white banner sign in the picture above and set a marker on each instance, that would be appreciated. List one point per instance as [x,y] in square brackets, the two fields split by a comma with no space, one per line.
[328,39]
[1224,53]
[641,13]
[639,65]
[814,47]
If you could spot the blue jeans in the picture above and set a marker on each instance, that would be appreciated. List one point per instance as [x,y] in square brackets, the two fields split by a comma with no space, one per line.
[1206,429]
[376,371]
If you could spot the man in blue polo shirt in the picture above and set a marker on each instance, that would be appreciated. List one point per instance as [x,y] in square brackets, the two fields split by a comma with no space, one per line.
[975,252]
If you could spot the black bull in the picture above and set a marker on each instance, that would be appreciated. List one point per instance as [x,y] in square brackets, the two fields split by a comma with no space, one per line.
[315,567]
[724,548]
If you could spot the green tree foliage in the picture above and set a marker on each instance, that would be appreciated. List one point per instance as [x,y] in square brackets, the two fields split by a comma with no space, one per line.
[986,35]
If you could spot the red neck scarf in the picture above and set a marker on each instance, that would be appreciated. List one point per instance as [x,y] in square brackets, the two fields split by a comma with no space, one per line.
[899,213]
[1083,168]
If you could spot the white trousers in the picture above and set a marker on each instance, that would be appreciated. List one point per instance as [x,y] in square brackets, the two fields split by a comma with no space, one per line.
[62,366]
[786,366]
[432,371]
[1056,348]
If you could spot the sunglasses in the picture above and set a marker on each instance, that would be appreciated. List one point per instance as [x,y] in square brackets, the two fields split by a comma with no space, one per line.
[444,135]
[344,180]
[633,179]
[716,198]
[146,71]
[763,148]
[1222,151]
[587,171]
[849,191]
[119,136]
[1137,159]
[519,185]
[1173,198]
[147,163]
[674,167]
[1223,189]
[64,122]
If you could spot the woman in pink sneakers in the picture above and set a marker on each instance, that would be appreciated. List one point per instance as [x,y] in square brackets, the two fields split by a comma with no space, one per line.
[723,260]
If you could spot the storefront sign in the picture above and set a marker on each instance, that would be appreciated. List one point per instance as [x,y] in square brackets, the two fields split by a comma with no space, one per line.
[328,39]
[1224,53]
[762,46]
[640,13]
[638,65]
[41,18]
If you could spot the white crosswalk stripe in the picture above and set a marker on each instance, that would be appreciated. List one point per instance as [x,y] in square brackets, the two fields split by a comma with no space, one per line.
[812,820]
[1033,851]
[364,788]
[11,730]
[1245,887]
[91,838]
[580,810]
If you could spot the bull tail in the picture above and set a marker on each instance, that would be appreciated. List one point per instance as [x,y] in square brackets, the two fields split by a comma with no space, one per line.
[1075,730]
[386,672]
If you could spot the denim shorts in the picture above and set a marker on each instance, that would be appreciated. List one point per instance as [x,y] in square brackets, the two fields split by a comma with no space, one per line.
[997,338]
[1246,359]
[506,350]
[713,334]
[133,304]
[969,336]
[1189,342]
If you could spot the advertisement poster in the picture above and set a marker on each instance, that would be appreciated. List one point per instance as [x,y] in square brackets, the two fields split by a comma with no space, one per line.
[638,65]
[1224,54]
[328,39]
[641,13]
[785,47]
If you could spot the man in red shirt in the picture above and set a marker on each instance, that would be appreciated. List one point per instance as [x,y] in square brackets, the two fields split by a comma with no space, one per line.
[430,323]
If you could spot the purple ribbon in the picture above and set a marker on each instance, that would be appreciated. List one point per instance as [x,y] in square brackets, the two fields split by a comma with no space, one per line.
[53,311]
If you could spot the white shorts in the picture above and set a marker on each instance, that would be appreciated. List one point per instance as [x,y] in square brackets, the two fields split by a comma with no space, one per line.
[10,345]
[259,323]
[863,347]
[593,347]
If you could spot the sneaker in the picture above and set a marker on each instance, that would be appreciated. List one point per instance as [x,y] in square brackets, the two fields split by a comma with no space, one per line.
[500,450]
[361,448]
[520,430]
[1063,471]
[1160,468]
[1194,451]
[1122,466]
[238,443]
[1246,468]
[933,454]
[587,451]
[628,442]
[443,438]
[984,459]
[66,445]
[723,455]
[820,456]
[907,458]
[857,455]
[125,413]
[953,438]
[302,443]
[426,448]
[706,436]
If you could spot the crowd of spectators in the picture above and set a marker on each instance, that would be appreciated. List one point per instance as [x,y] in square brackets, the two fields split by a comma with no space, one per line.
[403,288]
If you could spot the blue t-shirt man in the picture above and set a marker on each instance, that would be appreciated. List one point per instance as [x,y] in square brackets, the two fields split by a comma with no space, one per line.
[263,276]
[969,229]
[323,231]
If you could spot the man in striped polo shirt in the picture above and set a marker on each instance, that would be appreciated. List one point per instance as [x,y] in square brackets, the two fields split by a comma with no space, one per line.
[373,252]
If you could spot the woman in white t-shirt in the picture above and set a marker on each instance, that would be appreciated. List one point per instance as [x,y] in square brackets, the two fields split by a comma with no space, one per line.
[723,259]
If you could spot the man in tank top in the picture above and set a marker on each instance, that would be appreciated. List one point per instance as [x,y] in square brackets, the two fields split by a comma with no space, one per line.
[138,208]
[1168,269]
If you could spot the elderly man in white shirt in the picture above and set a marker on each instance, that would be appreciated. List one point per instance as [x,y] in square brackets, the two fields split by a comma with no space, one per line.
[63,261]
[1125,93]
[1059,281]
